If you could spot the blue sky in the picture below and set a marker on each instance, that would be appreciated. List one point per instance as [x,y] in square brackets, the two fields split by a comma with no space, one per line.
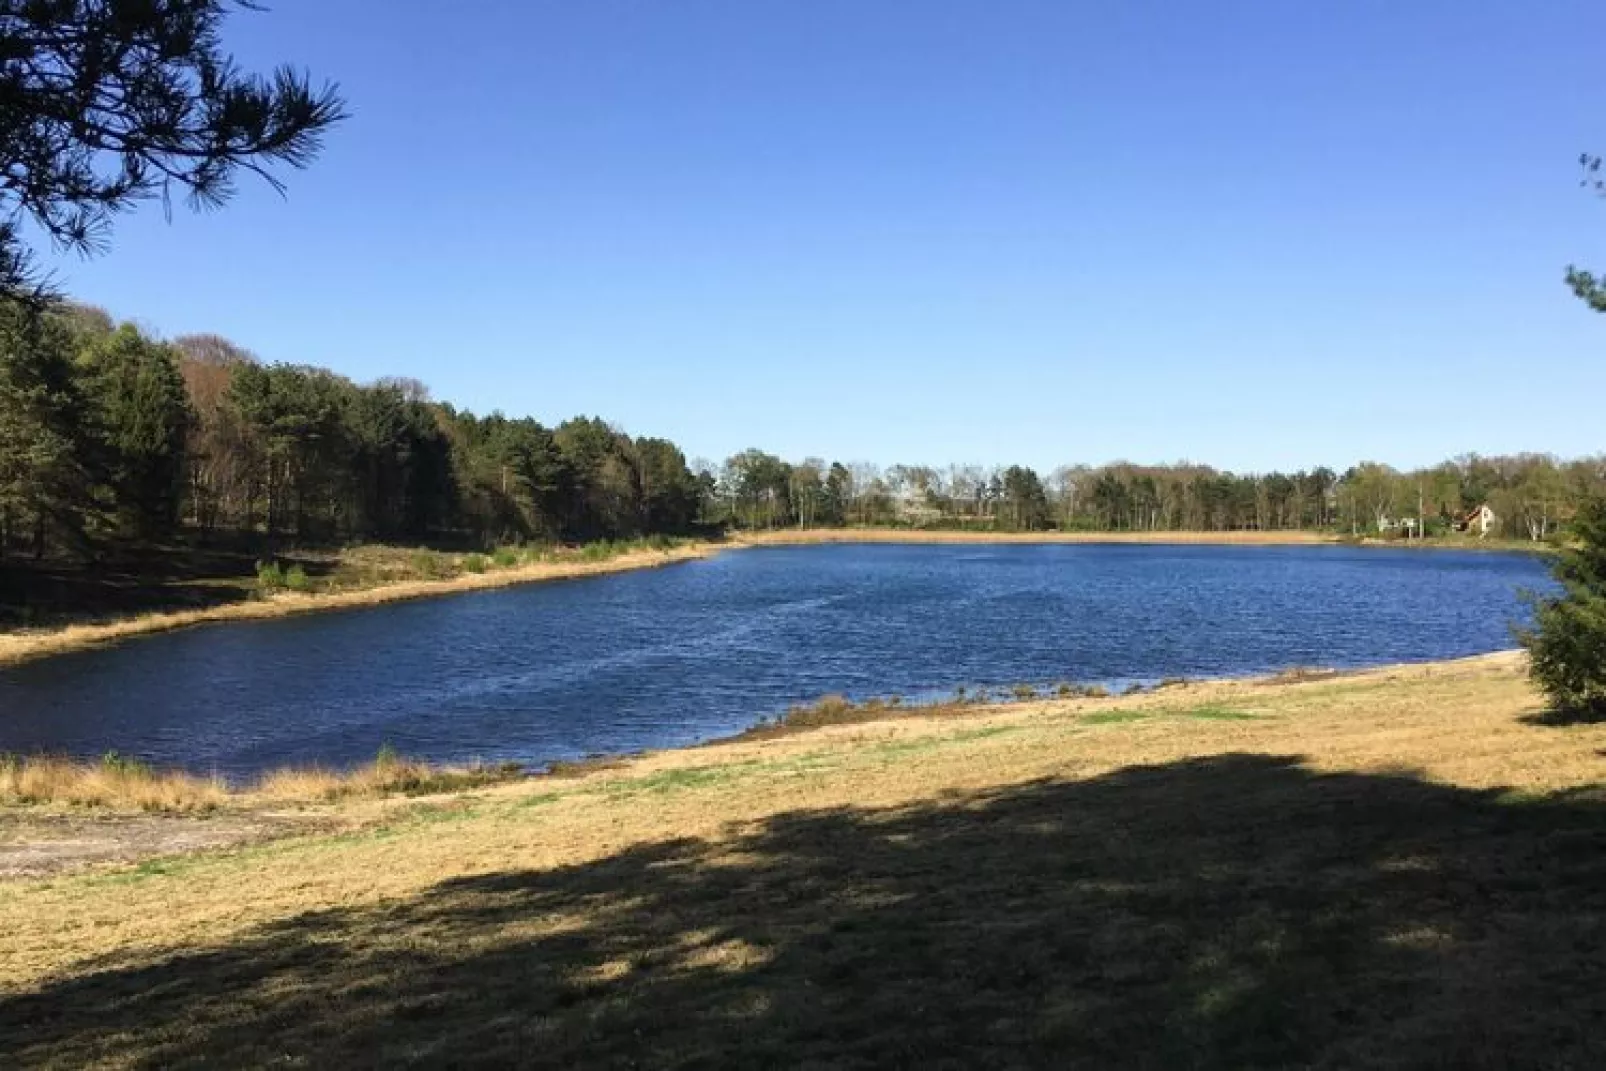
[1253,234]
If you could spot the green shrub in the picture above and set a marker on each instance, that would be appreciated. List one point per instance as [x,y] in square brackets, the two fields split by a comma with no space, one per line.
[270,577]
[600,551]
[429,565]
[1567,643]
[1023,692]
[387,756]
[295,578]
[126,765]
[475,563]
[505,557]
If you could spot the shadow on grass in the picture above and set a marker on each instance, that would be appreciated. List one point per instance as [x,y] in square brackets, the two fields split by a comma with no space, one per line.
[1562,717]
[1233,912]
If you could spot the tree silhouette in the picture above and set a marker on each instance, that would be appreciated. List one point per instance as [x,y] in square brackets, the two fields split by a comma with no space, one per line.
[104,104]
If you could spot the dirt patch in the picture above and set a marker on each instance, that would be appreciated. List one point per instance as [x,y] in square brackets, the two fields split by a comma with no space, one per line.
[34,844]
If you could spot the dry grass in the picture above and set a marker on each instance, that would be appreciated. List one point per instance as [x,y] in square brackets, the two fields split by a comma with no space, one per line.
[382,777]
[1301,674]
[110,783]
[1394,868]
[121,784]
[939,535]
[377,565]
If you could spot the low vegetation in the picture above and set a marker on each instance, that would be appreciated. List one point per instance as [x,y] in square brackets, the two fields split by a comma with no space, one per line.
[119,783]
[111,782]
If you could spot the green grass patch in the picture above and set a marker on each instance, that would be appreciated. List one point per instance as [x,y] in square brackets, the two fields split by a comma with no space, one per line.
[667,781]
[1212,712]
[1114,717]
[934,743]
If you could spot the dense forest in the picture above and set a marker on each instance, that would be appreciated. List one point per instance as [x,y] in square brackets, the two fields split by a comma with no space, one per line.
[109,437]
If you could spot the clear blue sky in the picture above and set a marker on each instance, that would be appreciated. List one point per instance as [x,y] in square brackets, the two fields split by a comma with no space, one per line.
[1253,234]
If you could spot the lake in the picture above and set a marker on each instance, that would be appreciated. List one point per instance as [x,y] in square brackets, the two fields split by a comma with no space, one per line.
[677,655]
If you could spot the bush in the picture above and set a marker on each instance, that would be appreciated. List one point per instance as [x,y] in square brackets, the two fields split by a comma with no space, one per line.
[505,557]
[600,551]
[124,766]
[475,563]
[295,578]
[429,565]
[270,577]
[1567,643]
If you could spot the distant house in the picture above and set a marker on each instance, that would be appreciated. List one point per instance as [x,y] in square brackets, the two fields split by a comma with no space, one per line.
[914,507]
[1478,521]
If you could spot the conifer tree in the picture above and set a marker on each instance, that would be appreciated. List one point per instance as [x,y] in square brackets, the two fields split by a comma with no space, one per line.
[1567,643]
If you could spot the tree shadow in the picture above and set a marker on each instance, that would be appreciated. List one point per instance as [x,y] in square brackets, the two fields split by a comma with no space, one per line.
[135,580]
[1240,911]
[1563,717]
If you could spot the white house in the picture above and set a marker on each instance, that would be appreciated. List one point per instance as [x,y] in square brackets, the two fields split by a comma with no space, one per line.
[1479,521]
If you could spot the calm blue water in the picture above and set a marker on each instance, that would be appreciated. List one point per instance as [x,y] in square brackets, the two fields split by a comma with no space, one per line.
[676,655]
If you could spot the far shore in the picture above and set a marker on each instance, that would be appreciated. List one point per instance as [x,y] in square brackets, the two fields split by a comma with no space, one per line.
[26,645]
[1294,537]
[786,536]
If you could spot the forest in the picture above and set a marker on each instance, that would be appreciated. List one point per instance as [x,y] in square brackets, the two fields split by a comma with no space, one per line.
[110,438]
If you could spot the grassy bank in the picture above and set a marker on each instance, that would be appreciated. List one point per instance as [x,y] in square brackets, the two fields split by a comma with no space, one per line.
[358,577]
[1397,868]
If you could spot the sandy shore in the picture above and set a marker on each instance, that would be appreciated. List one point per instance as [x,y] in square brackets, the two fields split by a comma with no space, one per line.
[24,645]
[786,536]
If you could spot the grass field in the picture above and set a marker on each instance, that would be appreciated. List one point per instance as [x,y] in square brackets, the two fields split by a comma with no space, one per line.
[1401,868]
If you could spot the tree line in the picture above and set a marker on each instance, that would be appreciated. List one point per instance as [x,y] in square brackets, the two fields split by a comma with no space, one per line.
[1531,495]
[110,437]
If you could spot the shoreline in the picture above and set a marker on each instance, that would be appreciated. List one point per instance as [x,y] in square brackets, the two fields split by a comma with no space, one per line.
[811,536]
[917,875]
[26,646]
[149,812]
[1281,538]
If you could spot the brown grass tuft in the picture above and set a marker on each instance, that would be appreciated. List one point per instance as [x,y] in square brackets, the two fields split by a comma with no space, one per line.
[119,783]
[1301,674]
[113,782]
[385,776]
